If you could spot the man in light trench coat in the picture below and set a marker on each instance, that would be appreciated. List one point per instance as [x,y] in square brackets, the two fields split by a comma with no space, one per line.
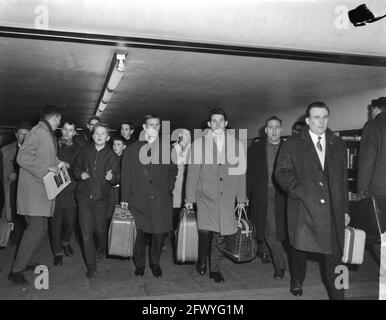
[215,184]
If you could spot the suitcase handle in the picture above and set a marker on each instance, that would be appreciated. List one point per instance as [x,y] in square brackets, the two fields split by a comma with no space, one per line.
[239,214]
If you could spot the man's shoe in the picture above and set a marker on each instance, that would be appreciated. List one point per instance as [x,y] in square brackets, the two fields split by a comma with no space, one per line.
[31,267]
[201,268]
[156,269]
[139,271]
[17,278]
[68,250]
[58,260]
[265,258]
[279,274]
[91,273]
[296,287]
[217,276]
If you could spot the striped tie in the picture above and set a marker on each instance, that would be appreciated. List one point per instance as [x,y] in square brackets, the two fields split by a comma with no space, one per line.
[319,145]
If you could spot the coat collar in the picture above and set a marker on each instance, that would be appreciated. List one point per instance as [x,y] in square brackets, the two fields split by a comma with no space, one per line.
[381,115]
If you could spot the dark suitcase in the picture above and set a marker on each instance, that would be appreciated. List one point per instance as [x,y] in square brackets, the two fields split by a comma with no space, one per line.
[240,247]
[187,237]
[369,215]
[122,233]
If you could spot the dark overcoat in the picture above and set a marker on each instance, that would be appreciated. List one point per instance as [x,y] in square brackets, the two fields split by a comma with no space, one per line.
[318,199]
[147,188]
[257,192]
[372,158]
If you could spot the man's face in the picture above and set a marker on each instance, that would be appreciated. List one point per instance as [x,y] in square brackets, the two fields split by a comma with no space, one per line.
[217,123]
[318,120]
[56,122]
[100,136]
[152,127]
[185,137]
[20,135]
[297,129]
[126,131]
[68,131]
[91,124]
[273,131]
[118,147]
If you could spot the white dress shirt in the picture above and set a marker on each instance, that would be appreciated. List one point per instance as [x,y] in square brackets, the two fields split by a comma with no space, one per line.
[220,140]
[321,154]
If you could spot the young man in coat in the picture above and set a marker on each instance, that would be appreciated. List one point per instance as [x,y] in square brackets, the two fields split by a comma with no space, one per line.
[63,222]
[266,198]
[215,184]
[36,157]
[372,158]
[312,168]
[85,137]
[147,182]
[10,176]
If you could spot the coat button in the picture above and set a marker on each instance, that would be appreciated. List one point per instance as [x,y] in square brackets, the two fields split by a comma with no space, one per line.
[151,181]
[151,197]
[321,184]
[221,193]
[220,179]
[322,201]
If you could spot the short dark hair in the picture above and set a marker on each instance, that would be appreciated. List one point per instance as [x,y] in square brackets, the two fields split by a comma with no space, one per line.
[273,118]
[379,103]
[71,123]
[94,118]
[118,138]
[103,125]
[217,111]
[151,116]
[316,104]
[129,123]
[23,125]
[50,111]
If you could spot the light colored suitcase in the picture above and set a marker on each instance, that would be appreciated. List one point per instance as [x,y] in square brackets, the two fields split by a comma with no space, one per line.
[5,231]
[187,237]
[122,233]
[354,246]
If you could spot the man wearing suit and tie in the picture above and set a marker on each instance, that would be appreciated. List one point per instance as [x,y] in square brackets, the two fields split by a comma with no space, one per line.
[10,176]
[311,168]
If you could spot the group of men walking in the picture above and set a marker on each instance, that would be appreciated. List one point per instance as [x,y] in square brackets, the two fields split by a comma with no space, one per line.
[297,190]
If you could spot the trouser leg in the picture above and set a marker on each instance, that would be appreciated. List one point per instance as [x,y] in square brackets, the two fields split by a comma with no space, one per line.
[217,255]
[204,245]
[86,222]
[156,247]
[298,262]
[56,225]
[100,226]
[30,242]
[140,249]
[330,263]
[68,224]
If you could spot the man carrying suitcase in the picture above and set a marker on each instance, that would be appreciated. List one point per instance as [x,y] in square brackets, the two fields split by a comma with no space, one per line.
[215,187]
[146,187]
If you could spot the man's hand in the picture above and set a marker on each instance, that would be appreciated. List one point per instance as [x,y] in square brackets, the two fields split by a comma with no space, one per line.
[12,176]
[84,176]
[109,175]
[240,205]
[346,219]
[65,163]
[53,169]
[189,205]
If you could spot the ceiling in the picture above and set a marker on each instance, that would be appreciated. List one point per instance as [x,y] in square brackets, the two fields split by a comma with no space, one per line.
[177,81]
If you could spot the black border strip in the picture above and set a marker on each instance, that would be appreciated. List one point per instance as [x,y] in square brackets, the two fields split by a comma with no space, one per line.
[172,45]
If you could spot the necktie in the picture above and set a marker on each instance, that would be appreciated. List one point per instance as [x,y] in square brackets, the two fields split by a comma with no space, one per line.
[319,145]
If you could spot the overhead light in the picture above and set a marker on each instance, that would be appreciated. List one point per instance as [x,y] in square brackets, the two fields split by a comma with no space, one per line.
[115,75]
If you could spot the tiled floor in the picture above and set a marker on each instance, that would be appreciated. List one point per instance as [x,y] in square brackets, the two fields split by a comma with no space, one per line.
[116,280]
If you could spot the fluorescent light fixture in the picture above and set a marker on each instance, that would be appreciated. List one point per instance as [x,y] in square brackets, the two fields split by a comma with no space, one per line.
[115,75]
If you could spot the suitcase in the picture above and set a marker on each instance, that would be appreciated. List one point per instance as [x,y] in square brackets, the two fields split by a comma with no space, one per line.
[369,215]
[122,233]
[187,237]
[240,247]
[5,231]
[354,246]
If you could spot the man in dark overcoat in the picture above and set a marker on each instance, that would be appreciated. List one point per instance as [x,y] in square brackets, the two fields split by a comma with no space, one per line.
[312,168]
[266,198]
[147,183]
[372,158]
